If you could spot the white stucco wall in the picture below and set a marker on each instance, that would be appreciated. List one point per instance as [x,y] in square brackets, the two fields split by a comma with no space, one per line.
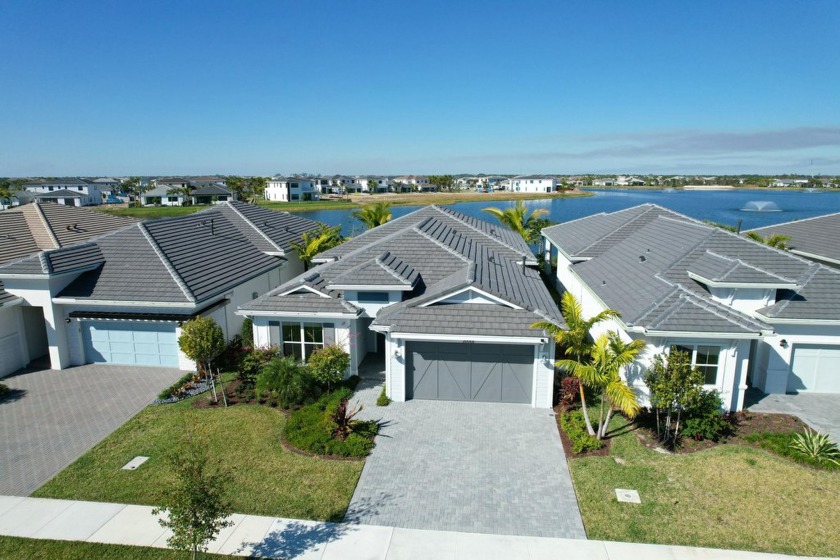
[15,353]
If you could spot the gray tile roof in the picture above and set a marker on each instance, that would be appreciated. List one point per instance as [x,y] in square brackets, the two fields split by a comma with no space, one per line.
[440,253]
[16,239]
[464,319]
[5,297]
[211,190]
[186,259]
[73,225]
[644,272]
[281,228]
[814,236]
[61,193]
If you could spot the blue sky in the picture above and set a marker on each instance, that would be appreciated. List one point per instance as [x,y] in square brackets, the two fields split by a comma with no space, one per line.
[118,88]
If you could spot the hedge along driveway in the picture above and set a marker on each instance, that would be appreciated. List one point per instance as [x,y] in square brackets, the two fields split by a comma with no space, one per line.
[266,478]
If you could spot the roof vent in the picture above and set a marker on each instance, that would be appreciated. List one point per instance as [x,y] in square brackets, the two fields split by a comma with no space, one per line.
[490,258]
[642,258]
[603,282]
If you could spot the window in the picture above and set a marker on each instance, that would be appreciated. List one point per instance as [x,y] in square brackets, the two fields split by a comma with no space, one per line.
[172,199]
[301,339]
[81,188]
[705,359]
[373,297]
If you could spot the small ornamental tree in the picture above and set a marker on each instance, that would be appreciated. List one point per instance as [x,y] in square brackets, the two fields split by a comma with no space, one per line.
[674,387]
[201,340]
[328,364]
[195,499]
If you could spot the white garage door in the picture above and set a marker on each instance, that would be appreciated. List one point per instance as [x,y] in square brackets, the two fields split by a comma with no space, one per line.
[815,368]
[128,342]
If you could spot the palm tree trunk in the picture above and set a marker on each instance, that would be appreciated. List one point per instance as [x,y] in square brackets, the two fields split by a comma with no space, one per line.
[603,430]
[585,412]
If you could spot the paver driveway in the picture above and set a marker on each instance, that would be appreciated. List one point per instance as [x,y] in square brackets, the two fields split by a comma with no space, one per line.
[460,466]
[54,417]
[821,411]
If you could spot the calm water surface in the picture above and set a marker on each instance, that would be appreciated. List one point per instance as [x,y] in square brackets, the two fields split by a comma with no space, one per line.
[724,207]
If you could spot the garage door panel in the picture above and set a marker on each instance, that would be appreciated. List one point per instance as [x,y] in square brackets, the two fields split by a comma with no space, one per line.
[815,368]
[149,344]
[470,372]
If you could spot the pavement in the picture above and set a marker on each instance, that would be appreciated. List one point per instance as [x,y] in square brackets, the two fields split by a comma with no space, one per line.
[821,411]
[271,537]
[53,417]
[463,466]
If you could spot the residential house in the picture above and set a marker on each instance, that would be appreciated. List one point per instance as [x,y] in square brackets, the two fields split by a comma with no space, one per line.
[374,185]
[747,314]
[604,182]
[443,302]
[211,194]
[629,181]
[533,184]
[291,189]
[163,195]
[70,192]
[813,238]
[121,297]
[28,230]
[417,182]
[790,182]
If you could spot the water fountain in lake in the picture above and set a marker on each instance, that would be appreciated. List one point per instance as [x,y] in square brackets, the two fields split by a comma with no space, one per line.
[761,206]
[670,190]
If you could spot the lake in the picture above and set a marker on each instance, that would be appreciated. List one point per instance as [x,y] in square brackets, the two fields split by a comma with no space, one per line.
[724,207]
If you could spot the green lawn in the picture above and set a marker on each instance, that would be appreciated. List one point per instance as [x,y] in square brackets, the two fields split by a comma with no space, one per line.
[17,548]
[730,496]
[153,212]
[266,478]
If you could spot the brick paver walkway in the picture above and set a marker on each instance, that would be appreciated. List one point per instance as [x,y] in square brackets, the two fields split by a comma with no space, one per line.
[460,466]
[53,417]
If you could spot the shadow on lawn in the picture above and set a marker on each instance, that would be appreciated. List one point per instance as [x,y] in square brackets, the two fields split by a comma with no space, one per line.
[628,427]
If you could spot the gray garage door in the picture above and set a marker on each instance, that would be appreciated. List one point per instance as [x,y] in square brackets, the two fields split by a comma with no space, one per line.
[130,342]
[470,372]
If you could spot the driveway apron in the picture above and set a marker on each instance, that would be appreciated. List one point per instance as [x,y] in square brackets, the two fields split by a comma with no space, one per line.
[52,417]
[464,466]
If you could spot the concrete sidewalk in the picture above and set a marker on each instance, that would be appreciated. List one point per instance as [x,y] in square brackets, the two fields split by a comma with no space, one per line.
[270,537]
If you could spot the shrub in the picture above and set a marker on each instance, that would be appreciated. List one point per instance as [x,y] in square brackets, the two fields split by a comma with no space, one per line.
[574,425]
[247,332]
[252,363]
[569,390]
[383,399]
[328,364]
[201,340]
[816,446]
[285,380]
[780,444]
[4,390]
[312,428]
[178,387]
[232,355]
[706,420]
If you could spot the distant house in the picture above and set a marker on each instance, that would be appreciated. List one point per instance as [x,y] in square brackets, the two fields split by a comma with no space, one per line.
[629,181]
[533,184]
[211,194]
[162,196]
[70,192]
[418,182]
[790,182]
[374,184]
[603,182]
[291,189]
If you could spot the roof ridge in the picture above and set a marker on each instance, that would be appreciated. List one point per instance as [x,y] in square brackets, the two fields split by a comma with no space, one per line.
[458,254]
[228,204]
[452,214]
[50,232]
[387,268]
[716,308]
[792,222]
[811,273]
[166,263]
[624,225]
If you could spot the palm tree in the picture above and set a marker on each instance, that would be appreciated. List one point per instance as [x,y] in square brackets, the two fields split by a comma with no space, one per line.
[776,240]
[373,215]
[607,357]
[314,242]
[575,339]
[518,219]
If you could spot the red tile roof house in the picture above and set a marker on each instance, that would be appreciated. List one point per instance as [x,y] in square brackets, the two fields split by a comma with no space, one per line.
[120,293]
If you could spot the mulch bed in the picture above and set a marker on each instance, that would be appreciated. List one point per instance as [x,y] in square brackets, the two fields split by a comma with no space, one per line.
[745,423]
[567,443]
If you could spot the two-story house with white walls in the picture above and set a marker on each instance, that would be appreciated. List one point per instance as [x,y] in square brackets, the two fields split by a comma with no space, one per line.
[291,189]
[70,192]
[533,184]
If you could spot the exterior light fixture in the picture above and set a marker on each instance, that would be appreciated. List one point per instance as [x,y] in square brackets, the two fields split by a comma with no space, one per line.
[783,343]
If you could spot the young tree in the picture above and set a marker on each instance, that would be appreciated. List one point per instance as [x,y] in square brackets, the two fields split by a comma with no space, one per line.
[185,191]
[201,340]
[777,240]
[195,500]
[674,386]
[442,182]
[312,243]
[575,339]
[256,189]
[602,372]
[519,219]
[328,364]
[373,215]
